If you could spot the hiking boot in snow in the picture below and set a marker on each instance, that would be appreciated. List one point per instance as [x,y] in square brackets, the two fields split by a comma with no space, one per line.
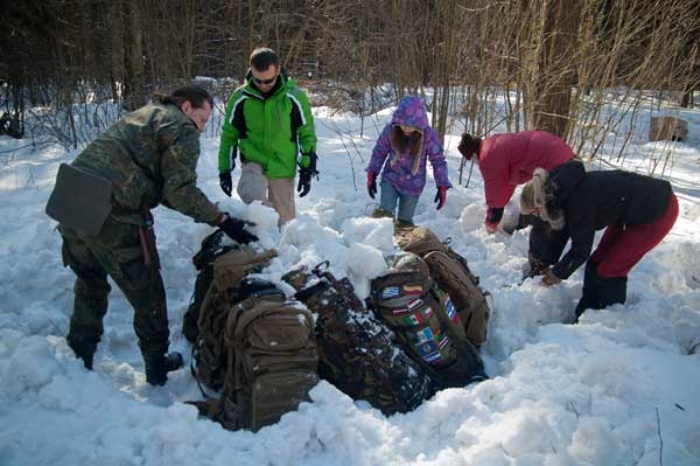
[381,213]
[83,347]
[401,224]
[157,368]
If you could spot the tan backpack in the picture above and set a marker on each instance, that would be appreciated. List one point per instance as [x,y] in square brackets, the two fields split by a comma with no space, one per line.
[229,269]
[272,360]
[452,274]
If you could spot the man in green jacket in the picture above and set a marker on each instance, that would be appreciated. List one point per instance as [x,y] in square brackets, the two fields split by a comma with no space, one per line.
[269,121]
[102,201]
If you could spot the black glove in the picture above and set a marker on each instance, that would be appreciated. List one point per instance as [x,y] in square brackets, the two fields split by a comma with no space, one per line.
[308,160]
[225,182]
[234,229]
[304,185]
[305,173]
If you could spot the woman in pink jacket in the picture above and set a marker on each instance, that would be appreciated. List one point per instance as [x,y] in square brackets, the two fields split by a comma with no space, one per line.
[507,160]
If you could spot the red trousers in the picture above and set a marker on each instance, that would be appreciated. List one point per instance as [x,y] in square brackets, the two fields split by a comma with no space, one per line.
[621,248]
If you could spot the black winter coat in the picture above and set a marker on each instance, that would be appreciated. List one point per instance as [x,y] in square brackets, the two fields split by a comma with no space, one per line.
[593,200]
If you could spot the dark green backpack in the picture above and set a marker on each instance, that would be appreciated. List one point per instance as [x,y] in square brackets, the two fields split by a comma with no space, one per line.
[357,352]
[426,322]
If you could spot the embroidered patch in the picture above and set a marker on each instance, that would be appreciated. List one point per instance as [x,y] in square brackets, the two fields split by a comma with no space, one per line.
[450,309]
[444,342]
[412,289]
[413,319]
[423,336]
[414,304]
[433,358]
[390,292]
[427,348]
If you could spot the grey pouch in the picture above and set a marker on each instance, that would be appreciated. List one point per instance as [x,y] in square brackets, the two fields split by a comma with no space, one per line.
[80,200]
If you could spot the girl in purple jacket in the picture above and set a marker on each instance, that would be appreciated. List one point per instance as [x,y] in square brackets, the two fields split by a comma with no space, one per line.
[403,149]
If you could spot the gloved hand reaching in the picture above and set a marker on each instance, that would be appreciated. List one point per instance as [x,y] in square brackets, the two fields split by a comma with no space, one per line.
[440,197]
[235,229]
[371,184]
[225,182]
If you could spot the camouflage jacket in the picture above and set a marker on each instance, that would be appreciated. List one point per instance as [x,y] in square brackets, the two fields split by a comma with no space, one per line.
[150,156]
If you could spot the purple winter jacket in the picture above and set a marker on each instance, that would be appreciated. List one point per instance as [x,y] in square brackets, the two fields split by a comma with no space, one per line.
[406,176]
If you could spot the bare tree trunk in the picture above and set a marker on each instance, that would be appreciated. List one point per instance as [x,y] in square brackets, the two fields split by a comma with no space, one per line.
[554,76]
[134,93]
[116,13]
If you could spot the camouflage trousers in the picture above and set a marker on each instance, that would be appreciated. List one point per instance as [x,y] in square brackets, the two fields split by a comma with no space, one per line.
[116,252]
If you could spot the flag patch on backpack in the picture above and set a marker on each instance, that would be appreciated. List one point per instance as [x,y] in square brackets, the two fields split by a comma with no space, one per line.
[426,324]
[453,276]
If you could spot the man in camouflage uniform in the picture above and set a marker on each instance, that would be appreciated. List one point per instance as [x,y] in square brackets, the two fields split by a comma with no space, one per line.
[148,158]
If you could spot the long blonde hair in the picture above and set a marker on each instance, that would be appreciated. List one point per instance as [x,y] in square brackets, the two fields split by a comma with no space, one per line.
[535,196]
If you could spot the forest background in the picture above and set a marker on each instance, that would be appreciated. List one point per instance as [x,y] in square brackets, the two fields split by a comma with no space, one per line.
[557,63]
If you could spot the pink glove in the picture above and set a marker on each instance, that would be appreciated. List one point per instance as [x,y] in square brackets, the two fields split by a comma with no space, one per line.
[371,184]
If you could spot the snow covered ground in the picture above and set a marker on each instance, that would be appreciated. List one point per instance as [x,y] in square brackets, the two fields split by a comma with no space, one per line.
[620,388]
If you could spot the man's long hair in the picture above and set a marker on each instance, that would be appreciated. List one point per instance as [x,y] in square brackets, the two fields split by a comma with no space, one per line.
[192,93]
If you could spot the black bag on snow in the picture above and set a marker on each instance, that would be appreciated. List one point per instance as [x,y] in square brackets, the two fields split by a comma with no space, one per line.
[357,352]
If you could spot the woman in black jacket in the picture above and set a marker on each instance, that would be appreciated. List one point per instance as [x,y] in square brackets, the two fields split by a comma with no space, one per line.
[636,210]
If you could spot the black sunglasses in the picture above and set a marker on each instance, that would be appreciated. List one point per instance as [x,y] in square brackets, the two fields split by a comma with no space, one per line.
[264,82]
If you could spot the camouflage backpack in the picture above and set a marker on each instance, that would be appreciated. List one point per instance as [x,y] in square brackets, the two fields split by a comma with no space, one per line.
[426,322]
[224,275]
[272,359]
[357,353]
[452,274]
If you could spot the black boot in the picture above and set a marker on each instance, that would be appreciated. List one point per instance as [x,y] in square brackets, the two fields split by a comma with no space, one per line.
[611,291]
[590,284]
[83,341]
[600,292]
[157,367]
